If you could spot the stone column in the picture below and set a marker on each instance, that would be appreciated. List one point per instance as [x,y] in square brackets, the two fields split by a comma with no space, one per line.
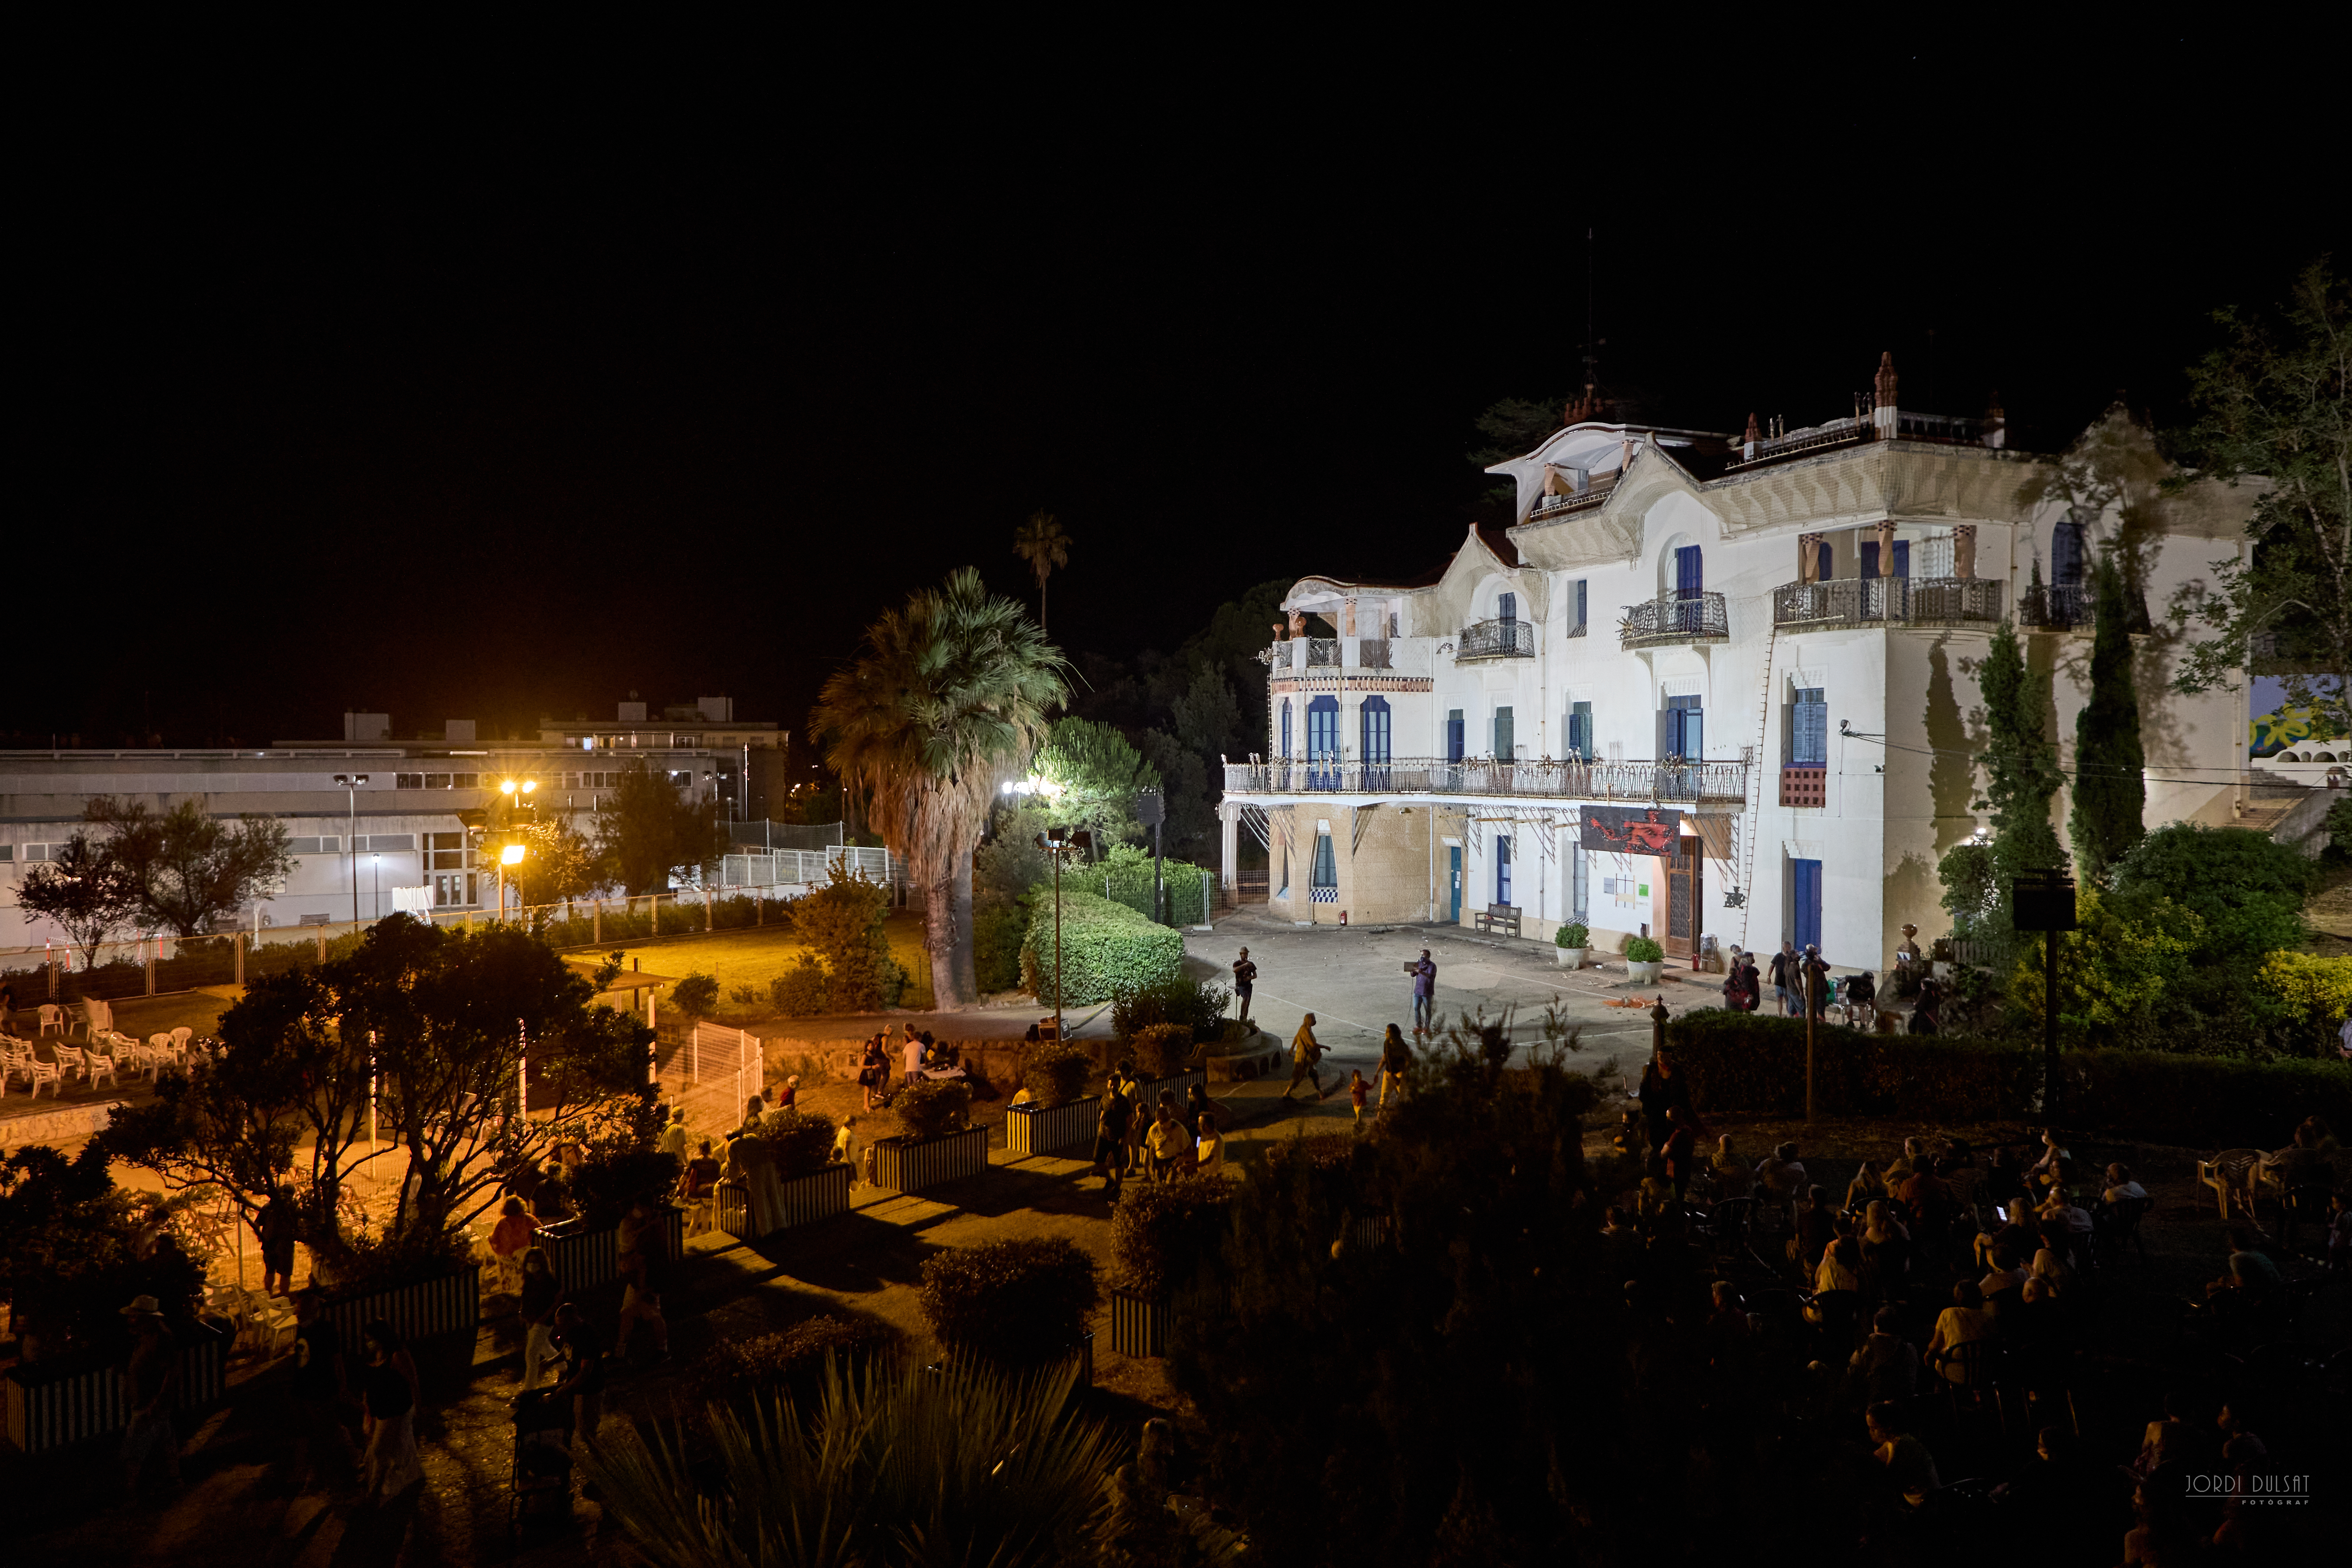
[1809,557]
[1964,550]
[1228,815]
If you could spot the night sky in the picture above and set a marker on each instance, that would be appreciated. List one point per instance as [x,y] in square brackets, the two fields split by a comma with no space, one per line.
[502,388]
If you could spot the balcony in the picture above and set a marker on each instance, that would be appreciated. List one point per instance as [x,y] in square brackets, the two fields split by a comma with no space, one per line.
[2059,607]
[1550,507]
[1882,601]
[1495,639]
[1571,781]
[1675,620]
[1322,653]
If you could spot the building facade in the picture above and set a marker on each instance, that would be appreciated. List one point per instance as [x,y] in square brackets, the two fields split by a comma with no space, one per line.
[373,828]
[1707,687]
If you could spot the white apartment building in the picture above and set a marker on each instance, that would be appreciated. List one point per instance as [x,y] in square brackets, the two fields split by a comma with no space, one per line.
[1705,687]
[374,827]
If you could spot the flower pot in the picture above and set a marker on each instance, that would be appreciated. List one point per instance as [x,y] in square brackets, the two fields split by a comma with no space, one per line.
[56,1404]
[908,1165]
[1147,1091]
[1570,957]
[420,1309]
[1043,1129]
[762,1208]
[581,1259]
[1644,974]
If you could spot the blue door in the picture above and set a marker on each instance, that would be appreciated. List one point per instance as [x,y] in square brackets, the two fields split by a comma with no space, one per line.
[1690,587]
[1502,871]
[1805,902]
[1683,728]
[1453,884]
[1373,722]
[1455,737]
[1323,743]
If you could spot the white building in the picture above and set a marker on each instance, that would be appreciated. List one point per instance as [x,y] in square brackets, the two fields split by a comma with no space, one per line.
[1771,642]
[373,826]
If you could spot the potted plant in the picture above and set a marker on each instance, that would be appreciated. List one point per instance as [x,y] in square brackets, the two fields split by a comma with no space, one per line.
[1569,943]
[1162,1236]
[791,1176]
[1056,1116]
[1164,1061]
[1643,960]
[1015,1305]
[937,1142]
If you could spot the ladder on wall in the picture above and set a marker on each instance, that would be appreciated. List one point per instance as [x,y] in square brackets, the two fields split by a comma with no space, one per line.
[1753,817]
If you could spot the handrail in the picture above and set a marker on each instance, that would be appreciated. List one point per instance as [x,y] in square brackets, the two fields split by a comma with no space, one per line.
[1857,601]
[1700,617]
[1495,639]
[1671,780]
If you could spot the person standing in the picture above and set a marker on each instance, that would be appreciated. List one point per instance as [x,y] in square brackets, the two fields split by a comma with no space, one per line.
[872,1071]
[1396,1057]
[1751,982]
[584,1377]
[150,1381]
[1208,1148]
[1110,1137]
[1244,980]
[508,1240]
[1304,1054]
[1357,1089]
[1424,994]
[1784,978]
[389,1392]
[1814,973]
[701,1191]
[322,1386]
[1663,1088]
[540,1295]
[646,1267]
[275,1227]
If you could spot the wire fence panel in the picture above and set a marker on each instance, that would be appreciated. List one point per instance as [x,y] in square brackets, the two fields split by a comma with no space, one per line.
[710,1069]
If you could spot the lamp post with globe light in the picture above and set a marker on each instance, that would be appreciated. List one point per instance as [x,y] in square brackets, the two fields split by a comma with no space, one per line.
[350,784]
[1058,843]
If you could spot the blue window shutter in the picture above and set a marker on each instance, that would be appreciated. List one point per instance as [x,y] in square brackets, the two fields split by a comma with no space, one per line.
[1825,561]
[1506,607]
[1902,558]
[1579,601]
[1690,572]
[1868,553]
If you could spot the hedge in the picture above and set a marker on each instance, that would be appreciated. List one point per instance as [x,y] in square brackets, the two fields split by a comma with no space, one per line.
[1130,883]
[1162,1233]
[1105,948]
[1018,1303]
[1755,1064]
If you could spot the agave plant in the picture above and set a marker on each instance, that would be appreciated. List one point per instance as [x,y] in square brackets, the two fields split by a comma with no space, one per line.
[892,1467]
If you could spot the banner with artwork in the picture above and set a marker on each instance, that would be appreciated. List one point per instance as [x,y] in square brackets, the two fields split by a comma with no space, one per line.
[1631,830]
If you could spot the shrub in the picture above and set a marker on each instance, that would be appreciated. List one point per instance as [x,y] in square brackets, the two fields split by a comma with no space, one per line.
[1106,948]
[743,995]
[843,921]
[1162,1050]
[1017,1303]
[789,1362]
[1643,950]
[2315,992]
[996,946]
[1573,934]
[932,1110]
[1163,1232]
[1196,1004]
[1055,1072]
[697,996]
[799,992]
[799,1142]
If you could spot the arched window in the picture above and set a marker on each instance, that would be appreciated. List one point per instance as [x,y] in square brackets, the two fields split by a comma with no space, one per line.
[2066,551]
[1374,724]
[1323,743]
[1285,729]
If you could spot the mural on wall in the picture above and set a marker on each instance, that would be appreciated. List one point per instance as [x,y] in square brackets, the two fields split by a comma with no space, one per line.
[2275,727]
[1632,829]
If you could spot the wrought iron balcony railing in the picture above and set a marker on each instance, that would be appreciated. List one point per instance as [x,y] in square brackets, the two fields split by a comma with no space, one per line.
[1495,639]
[2058,606]
[1851,601]
[1322,652]
[1700,617]
[1670,780]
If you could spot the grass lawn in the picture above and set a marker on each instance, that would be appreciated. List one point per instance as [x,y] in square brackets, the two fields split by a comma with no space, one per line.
[756,956]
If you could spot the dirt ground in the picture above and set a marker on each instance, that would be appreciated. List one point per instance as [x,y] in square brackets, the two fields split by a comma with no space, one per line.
[753,957]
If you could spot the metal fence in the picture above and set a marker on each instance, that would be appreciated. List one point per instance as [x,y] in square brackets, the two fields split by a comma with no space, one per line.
[800,867]
[153,965]
[762,836]
[1479,776]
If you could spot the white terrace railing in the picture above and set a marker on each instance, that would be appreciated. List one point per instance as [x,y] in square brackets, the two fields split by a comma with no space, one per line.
[1667,781]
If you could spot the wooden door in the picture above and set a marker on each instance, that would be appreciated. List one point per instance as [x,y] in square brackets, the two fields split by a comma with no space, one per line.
[1684,891]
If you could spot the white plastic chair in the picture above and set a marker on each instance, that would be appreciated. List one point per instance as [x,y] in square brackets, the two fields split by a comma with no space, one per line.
[69,1060]
[52,1017]
[181,1037]
[96,1064]
[41,1072]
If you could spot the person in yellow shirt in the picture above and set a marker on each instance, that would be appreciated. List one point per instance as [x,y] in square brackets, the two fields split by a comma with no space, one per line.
[1304,1054]
[1209,1151]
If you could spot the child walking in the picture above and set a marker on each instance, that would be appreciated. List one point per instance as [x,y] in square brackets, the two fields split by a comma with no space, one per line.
[1357,1089]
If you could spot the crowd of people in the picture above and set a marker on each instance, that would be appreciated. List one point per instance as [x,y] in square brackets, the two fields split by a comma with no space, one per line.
[1941,1298]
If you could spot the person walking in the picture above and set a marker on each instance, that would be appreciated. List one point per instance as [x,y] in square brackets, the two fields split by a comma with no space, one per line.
[1304,1054]
[584,1370]
[646,1267]
[150,1380]
[1784,978]
[672,1141]
[1396,1057]
[321,1386]
[1751,982]
[1245,980]
[701,1184]
[1110,1137]
[1357,1089]
[1424,994]
[508,1240]
[873,1072]
[1815,976]
[275,1227]
[536,1308]
[388,1391]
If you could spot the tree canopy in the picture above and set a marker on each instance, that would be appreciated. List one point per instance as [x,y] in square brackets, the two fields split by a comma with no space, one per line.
[187,868]
[82,888]
[647,829]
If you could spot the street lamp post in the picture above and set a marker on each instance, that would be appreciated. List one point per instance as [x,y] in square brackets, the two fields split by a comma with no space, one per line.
[375,886]
[1057,842]
[351,785]
[518,793]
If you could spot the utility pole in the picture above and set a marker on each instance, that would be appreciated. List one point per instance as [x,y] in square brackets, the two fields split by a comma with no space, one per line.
[1056,842]
[350,784]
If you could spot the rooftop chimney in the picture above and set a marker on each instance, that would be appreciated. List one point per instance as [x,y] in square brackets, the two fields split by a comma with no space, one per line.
[1996,424]
[1882,414]
[366,726]
[456,730]
[717,709]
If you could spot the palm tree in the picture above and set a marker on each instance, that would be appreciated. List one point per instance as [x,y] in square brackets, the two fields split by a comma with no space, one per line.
[949,699]
[1041,542]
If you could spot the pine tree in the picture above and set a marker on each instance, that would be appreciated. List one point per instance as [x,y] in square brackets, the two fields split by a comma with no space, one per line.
[2110,785]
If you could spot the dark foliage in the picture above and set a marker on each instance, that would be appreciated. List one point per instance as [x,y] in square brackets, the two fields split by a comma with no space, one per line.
[799,1142]
[2110,781]
[1055,1072]
[1162,1050]
[1164,1234]
[927,1109]
[67,1263]
[1015,1303]
[1198,1005]
[791,1362]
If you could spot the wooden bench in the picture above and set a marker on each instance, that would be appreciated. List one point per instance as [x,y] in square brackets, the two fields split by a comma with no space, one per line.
[1498,916]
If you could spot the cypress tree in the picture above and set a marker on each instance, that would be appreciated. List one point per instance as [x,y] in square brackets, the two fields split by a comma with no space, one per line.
[2021,778]
[2110,785]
